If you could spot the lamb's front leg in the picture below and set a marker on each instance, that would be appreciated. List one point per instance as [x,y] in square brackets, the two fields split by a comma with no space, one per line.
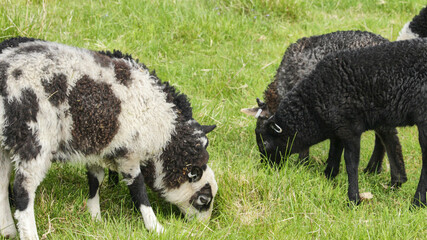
[133,177]
[95,176]
[351,157]
[420,194]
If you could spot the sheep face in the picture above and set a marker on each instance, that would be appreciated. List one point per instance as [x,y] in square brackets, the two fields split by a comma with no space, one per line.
[270,141]
[183,176]
[195,197]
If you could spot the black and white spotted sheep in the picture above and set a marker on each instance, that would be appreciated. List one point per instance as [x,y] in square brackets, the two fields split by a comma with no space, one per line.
[350,92]
[416,28]
[299,60]
[102,109]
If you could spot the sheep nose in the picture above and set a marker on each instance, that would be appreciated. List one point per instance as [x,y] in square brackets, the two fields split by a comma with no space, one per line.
[203,199]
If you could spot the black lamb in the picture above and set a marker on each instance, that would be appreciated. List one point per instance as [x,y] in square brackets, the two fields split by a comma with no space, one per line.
[351,92]
[298,62]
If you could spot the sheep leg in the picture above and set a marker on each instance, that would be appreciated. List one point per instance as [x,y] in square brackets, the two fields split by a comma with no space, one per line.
[351,157]
[113,177]
[28,176]
[420,193]
[334,158]
[375,163]
[7,226]
[133,177]
[95,175]
[395,157]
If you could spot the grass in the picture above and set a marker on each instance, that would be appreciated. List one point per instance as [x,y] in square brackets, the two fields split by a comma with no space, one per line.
[222,54]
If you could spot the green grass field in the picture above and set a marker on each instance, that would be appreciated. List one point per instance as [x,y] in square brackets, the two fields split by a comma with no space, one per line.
[223,54]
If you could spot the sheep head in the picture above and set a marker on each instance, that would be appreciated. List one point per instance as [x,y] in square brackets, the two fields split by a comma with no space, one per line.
[183,176]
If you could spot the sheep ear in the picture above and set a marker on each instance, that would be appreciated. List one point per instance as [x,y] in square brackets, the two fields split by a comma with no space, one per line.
[260,111]
[255,112]
[208,128]
[250,111]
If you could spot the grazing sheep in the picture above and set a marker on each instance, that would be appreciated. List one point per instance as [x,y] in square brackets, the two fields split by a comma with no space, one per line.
[350,92]
[416,28]
[105,110]
[298,62]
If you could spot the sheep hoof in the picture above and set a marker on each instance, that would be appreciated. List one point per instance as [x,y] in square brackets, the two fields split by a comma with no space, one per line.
[395,185]
[331,173]
[373,170]
[158,228]
[354,203]
[417,203]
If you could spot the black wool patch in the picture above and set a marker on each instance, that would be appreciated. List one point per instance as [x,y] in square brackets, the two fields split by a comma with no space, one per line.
[17,73]
[14,42]
[138,191]
[4,66]
[20,193]
[93,184]
[117,153]
[18,136]
[119,54]
[122,72]
[94,110]
[32,49]
[148,171]
[102,59]
[182,153]
[181,102]
[56,88]
[205,191]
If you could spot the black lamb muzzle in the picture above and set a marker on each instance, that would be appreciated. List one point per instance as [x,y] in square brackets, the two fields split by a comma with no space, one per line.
[274,143]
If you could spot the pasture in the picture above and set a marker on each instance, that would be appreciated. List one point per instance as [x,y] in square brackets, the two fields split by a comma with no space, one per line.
[222,54]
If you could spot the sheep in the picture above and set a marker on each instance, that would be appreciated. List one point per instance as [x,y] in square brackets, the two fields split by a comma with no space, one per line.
[348,93]
[106,110]
[416,28]
[298,62]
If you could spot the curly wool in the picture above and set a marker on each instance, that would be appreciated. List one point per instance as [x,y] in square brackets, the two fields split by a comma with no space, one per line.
[301,58]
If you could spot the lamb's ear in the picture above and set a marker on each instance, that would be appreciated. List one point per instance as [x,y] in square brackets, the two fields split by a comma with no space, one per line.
[260,111]
[208,128]
[255,112]
[250,111]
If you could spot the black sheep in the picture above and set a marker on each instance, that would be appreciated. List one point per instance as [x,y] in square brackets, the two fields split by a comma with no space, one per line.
[351,92]
[298,62]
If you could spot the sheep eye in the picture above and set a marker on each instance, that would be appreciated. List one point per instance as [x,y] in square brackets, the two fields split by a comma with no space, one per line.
[195,174]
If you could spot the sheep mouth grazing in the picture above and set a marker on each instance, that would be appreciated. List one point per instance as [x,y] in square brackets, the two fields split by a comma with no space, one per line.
[202,199]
